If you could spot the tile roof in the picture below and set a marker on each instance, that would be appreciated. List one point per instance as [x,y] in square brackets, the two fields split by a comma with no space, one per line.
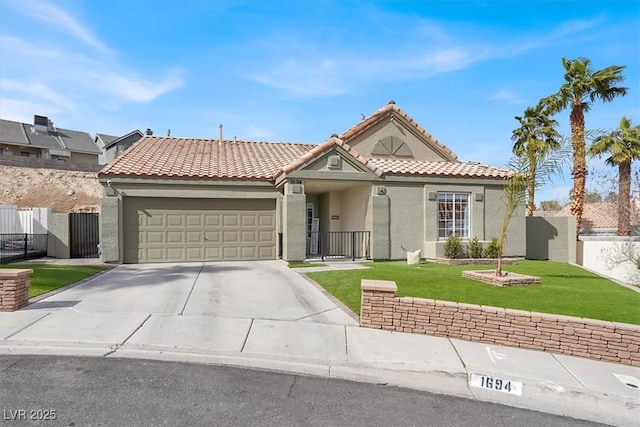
[38,139]
[206,158]
[596,215]
[438,168]
[319,149]
[154,156]
[78,141]
[12,132]
[106,139]
[392,108]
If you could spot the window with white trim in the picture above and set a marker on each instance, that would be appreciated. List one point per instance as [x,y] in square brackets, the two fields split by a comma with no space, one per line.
[453,215]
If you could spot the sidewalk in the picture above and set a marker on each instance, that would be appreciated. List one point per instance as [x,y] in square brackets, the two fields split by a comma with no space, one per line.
[557,384]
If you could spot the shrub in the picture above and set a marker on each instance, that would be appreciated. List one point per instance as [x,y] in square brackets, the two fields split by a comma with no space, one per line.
[492,249]
[453,247]
[475,248]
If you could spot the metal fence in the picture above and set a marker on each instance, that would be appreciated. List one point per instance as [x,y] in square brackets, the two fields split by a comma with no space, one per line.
[16,247]
[84,235]
[339,244]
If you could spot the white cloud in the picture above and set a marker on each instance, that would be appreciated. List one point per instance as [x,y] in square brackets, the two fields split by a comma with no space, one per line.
[506,95]
[137,89]
[38,90]
[56,17]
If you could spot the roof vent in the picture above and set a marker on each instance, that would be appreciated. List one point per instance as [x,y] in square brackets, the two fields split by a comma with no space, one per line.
[149,132]
[334,135]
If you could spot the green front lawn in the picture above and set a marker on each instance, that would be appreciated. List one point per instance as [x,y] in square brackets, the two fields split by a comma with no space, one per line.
[565,289]
[47,277]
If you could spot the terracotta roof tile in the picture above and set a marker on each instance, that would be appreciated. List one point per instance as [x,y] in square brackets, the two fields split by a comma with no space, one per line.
[596,215]
[431,168]
[390,108]
[204,158]
[319,149]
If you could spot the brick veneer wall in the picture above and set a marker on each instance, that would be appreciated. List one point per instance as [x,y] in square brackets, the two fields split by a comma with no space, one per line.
[593,339]
[14,288]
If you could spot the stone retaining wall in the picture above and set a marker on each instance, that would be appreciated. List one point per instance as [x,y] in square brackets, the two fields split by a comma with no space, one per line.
[14,288]
[593,339]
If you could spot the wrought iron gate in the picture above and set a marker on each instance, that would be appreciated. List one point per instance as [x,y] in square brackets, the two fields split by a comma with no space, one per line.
[84,235]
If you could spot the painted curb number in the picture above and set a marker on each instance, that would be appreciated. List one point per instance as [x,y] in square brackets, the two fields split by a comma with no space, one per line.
[496,384]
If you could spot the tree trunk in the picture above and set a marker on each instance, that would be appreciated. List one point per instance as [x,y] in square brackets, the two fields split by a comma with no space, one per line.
[579,171]
[532,194]
[624,203]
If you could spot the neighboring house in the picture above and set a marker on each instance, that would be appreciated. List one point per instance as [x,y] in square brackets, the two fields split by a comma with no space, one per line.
[41,140]
[599,219]
[111,145]
[383,187]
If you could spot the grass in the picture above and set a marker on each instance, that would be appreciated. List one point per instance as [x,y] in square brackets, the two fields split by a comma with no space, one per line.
[47,277]
[305,264]
[565,289]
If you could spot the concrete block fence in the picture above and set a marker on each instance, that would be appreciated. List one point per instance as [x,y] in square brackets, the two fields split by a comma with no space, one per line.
[593,339]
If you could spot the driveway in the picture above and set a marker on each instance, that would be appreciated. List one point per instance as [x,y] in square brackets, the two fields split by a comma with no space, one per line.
[248,290]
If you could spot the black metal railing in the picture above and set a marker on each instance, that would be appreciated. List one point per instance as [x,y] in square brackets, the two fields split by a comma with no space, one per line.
[16,247]
[339,244]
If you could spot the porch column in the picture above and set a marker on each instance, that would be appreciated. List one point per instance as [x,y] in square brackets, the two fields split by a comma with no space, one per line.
[380,225]
[294,227]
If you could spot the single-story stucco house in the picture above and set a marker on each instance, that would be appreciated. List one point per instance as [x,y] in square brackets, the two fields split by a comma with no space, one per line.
[383,187]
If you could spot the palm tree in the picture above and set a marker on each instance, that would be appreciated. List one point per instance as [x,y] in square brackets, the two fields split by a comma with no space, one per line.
[623,147]
[581,88]
[533,140]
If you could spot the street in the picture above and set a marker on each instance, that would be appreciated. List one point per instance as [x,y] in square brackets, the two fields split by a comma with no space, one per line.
[77,391]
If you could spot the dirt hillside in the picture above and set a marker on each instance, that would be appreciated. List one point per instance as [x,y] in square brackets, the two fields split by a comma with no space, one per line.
[60,190]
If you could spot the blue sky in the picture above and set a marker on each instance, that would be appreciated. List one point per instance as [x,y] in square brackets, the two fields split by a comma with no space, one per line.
[299,71]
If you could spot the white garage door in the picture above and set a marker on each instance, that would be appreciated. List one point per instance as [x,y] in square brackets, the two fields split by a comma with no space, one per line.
[174,230]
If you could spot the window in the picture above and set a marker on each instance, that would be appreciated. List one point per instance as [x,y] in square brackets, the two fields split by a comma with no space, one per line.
[453,215]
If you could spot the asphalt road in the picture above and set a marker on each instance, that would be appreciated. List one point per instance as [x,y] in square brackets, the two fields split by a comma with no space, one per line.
[126,392]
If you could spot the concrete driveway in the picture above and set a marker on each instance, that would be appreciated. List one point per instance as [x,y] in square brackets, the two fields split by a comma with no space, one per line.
[250,290]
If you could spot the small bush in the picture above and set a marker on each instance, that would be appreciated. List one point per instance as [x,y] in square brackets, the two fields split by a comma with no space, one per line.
[475,248]
[453,247]
[492,249]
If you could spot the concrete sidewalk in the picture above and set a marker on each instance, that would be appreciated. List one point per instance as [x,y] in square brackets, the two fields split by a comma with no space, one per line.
[317,345]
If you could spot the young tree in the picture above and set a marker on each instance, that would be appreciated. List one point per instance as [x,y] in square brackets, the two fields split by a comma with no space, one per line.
[535,137]
[623,147]
[581,88]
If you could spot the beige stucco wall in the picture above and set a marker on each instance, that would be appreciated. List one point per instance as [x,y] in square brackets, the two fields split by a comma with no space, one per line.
[354,202]
[84,158]
[406,216]
[365,142]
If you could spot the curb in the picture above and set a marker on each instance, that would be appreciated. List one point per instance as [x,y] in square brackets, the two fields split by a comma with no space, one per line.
[554,399]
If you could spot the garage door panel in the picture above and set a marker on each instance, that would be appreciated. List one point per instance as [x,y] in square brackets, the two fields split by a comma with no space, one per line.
[193,237]
[249,236]
[230,220]
[212,237]
[230,253]
[195,221]
[231,236]
[194,253]
[152,221]
[151,237]
[267,221]
[266,252]
[174,230]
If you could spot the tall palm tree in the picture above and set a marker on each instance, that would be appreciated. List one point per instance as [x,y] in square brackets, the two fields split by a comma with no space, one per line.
[533,140]
[581,88]
[623,147]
